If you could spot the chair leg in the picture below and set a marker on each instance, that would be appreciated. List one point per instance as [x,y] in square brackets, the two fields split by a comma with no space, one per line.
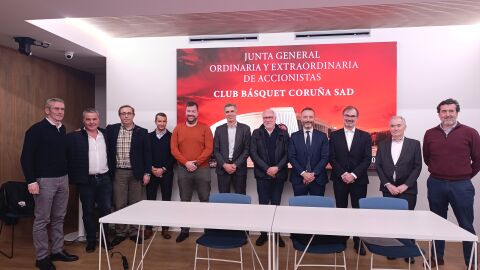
[344,260]
[358,253]
[253,258]
[241,259]
[335,257]
[208,256]
[196,257]
[371,261]
[288,256]
[11,241]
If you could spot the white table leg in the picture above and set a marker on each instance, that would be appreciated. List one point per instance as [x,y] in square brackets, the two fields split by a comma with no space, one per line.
[270,260]
[104,238]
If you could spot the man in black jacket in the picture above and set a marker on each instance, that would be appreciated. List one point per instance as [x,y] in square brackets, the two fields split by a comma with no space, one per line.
[162,166]
[350,157]
[88,169]
[131,164]
[268,150]
[44,164]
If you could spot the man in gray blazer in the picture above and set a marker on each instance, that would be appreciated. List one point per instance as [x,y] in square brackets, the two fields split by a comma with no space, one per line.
[399,163]
[231,148]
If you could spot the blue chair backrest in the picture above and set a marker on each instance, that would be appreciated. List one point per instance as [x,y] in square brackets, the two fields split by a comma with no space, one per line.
[230,198]
[383,203]
[311,201]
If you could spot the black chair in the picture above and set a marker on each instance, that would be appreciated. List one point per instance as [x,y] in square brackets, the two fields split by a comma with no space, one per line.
[15,203]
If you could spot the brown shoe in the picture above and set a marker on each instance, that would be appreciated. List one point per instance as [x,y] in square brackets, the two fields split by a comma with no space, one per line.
[166,234]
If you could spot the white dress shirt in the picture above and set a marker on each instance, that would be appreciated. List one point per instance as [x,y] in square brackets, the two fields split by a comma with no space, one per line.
[232,131]
[349,136]
[305,135]
[97,154]
[396,150]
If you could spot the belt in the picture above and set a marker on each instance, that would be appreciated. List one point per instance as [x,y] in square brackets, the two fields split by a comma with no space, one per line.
[98,175]
[128,169]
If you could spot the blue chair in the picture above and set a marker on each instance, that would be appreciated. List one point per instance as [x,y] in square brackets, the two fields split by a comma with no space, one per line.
[224,239]
[404,248]
[318,244]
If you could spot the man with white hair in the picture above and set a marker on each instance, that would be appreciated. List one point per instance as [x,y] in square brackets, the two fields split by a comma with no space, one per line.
[268,150]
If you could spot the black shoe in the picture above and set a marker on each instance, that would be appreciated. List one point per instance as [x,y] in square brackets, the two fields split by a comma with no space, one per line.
[117,240]
[280,242]
[182,236]
[440,262]
[262,239]
[63,256]
[362,251]
[412,260]
[134,239]
[91,246]
[45,264]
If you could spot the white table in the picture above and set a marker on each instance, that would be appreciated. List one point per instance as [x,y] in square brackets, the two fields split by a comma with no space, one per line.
[247,217]
[418,225]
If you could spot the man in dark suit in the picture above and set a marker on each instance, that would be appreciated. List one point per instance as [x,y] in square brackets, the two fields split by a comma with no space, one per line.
[162,166]
[231,145]
[88,169]
[308,154]
[350,157]
[399,163]
[131,161]
[268,150]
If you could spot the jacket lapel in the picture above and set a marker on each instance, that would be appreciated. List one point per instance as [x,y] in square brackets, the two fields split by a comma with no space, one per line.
[405,149]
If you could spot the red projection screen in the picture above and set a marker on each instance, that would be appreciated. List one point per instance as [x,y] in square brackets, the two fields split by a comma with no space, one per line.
[326,77]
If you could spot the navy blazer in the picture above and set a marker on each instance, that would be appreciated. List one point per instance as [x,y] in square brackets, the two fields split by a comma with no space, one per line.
[140,153]
[259,153]
[297,155]
[407,169]
[240,149]
[357,160]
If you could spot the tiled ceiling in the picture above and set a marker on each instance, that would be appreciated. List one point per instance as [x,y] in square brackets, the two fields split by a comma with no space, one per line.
[294,20]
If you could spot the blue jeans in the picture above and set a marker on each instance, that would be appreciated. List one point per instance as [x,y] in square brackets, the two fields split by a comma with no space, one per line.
[460,195]
[270,191]
[97,190]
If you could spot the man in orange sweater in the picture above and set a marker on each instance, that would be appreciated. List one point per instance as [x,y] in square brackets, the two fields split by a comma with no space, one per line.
[192,146]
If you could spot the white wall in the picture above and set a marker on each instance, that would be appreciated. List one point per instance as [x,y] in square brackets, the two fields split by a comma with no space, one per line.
[434,63]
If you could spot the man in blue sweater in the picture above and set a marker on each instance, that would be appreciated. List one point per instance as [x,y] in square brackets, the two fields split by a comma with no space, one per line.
[44,164]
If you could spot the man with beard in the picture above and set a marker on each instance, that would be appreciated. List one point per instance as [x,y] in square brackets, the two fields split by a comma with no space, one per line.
[231,147]
[451,151]
[192,146]
[268,150]
[308,154]
[350,157]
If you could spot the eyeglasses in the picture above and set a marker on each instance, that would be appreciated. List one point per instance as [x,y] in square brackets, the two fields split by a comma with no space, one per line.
[126,113]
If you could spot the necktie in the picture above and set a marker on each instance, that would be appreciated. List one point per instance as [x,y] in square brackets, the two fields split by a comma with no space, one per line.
[308,145]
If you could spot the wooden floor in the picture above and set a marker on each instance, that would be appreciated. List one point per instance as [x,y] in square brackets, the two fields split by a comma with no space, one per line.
[168,255]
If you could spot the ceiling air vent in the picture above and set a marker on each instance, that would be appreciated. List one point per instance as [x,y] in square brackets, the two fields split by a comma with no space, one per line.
[245,37]
[330,34]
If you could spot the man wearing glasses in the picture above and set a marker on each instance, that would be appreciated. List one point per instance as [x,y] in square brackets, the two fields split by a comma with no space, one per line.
[350,157]
[131,160]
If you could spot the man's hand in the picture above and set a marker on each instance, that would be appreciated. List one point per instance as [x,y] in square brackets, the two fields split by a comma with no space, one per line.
[308,177]
[392,189]
[348,178]
[146,179]
[34,188]
[402,188]
[158,172]
[191,167]
[229,168]
[272,171]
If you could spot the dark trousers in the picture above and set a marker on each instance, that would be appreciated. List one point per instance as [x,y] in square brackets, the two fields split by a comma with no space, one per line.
[239,183]
[98,191]
[460,195]
[410,198]
[313,188]
[355,191]
[270,191]
[165,183]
